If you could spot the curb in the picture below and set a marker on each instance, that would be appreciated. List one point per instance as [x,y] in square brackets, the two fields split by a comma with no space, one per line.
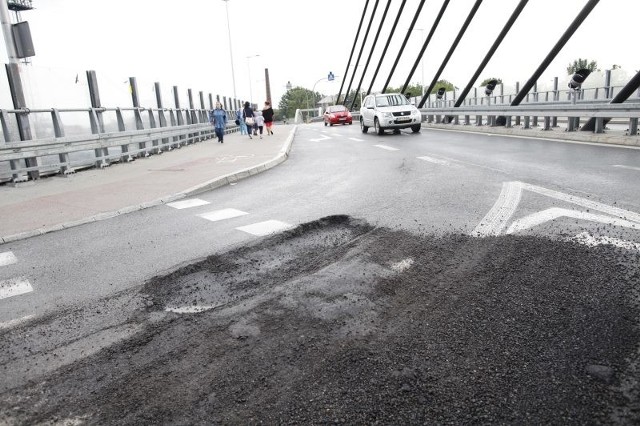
[282,155]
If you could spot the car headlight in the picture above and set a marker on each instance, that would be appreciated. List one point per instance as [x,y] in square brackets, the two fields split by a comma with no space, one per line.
[416,112]
[387,115]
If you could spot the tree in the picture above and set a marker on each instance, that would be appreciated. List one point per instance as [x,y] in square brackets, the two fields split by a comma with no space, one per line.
[448,86]
[487,80]
[579,64]
[297,98]
[413,90]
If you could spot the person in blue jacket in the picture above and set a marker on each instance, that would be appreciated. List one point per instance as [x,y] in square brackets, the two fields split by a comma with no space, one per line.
[218,119]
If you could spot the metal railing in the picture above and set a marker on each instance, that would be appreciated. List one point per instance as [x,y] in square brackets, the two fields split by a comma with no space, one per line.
[167,129]
[528,115]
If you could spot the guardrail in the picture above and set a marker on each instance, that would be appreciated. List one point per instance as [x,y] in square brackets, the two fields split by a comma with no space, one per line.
[529,115]
[166,129]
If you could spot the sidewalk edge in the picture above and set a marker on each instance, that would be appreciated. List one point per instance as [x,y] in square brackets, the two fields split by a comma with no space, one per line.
[282,155]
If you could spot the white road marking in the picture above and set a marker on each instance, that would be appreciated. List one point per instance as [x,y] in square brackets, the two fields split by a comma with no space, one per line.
[583,202]
[14,287]
[356,139]
[265,228]
[591,241]
[7,258]
[403,265]
[323,138]
[223,214]
[10,324]
[495,221]
[388,148]
[539,218]
[626,167]
[185,204]
[188,309]
[434,160]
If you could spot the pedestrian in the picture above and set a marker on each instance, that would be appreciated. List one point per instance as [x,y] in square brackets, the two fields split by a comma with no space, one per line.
[249,117]
[218,119]
[267,113]
[240,121]
[259,123]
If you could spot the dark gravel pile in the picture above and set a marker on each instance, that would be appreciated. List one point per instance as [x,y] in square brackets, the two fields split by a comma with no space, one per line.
[340,322]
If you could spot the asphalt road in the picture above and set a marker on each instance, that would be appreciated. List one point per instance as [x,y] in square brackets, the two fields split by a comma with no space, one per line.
[543,232]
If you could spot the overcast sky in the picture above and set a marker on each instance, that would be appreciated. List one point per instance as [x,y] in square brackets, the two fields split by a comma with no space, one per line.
[185,43]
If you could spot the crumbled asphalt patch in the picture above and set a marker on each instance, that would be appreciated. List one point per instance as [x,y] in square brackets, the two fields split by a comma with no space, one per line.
[315,325]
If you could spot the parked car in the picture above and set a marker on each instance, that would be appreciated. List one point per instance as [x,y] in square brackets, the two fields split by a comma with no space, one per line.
[337,114]
[389,111]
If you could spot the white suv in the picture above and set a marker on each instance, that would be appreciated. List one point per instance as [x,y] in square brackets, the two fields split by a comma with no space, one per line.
[389,111]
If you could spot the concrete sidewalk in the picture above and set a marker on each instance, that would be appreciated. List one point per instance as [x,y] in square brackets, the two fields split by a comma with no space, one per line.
[58,202]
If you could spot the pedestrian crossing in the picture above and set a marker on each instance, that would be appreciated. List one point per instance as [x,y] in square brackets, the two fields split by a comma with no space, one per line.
[258,229]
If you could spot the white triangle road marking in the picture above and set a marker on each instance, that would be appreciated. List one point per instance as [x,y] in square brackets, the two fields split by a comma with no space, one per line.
[591,241]
[495,221]
[539,218]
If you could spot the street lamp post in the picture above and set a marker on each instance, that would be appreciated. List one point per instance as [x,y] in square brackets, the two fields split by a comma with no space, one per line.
[233,74]
[250,86]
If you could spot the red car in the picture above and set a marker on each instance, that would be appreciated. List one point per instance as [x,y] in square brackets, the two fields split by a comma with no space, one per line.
[337,114]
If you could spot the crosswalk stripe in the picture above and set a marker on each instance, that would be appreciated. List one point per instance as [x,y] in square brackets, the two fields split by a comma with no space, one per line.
[14,287]
[7,258]
[217,215]
[185,204]
[265,228]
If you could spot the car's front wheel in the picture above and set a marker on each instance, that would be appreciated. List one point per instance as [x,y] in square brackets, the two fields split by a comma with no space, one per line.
[364,128]
[416,128]
[376,124]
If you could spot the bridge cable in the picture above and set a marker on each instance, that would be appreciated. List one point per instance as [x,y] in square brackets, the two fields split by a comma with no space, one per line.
[373,47]
[404,43]
[355,42]
[384,51]
[473,11]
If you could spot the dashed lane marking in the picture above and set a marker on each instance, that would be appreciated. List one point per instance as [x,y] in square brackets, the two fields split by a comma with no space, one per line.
[265,228]
[434,160]
[185,204]
[620,166]
[188,309]
[356,139]
[14,287]
[7,258]
[223,214]
[388,148]
[15,322]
